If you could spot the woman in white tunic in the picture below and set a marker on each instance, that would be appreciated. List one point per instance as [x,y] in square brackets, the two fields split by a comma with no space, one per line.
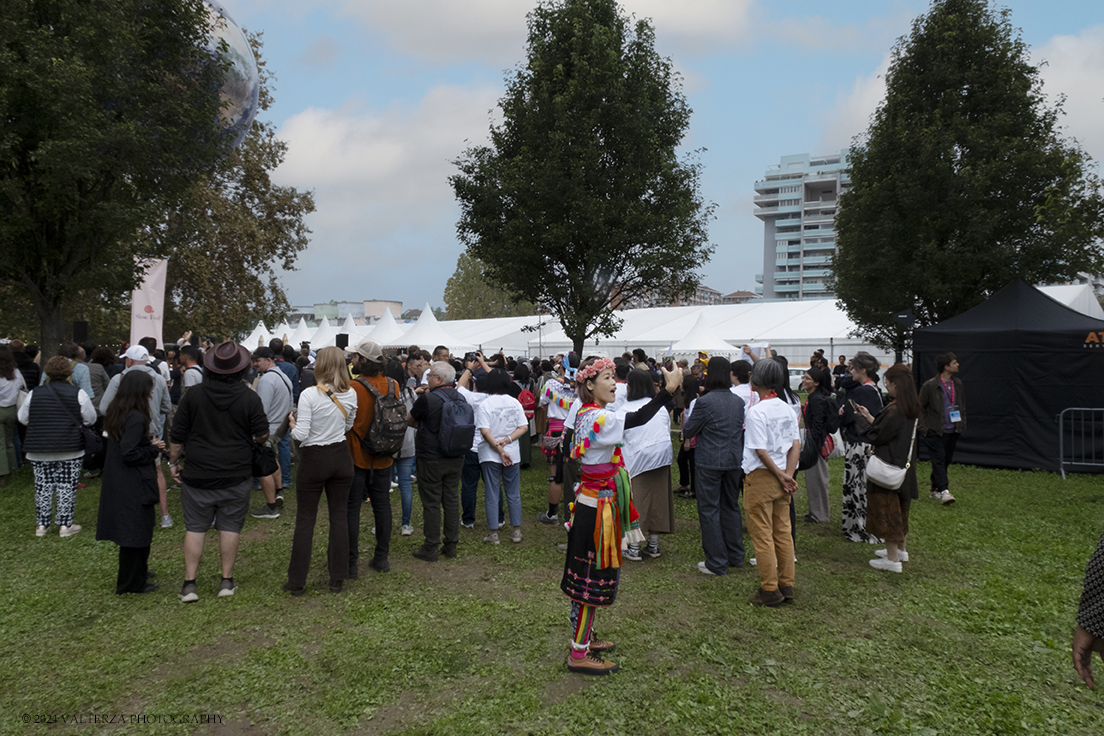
[648,457]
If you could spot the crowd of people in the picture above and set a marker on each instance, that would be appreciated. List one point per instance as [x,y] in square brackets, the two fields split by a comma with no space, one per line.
[361,423]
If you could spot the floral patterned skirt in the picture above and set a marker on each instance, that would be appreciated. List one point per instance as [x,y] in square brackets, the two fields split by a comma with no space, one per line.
[854,493]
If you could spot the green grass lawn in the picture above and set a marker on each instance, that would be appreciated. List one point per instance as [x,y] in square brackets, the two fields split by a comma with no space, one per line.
[973,637]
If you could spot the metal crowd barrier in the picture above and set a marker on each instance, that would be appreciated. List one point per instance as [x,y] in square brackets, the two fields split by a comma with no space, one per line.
[1080,438]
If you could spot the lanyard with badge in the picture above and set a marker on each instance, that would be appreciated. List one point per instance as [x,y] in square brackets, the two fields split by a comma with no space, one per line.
[953,413]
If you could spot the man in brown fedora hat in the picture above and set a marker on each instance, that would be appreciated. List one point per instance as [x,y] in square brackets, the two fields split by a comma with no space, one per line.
[217,422]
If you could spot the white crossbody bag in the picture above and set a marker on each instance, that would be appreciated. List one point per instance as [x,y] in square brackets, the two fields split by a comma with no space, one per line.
[881,473]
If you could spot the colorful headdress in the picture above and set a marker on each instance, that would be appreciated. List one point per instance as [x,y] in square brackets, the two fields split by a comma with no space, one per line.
[594,369]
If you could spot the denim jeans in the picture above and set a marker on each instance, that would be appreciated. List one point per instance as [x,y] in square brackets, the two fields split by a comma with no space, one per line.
[510,477]
[284,449]
[404,466]
[469,487]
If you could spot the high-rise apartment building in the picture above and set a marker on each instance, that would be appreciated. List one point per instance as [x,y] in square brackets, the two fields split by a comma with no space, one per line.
[797,202]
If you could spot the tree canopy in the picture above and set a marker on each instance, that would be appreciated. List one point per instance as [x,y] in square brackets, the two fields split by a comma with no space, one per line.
[469,294]
[963,181]
[235,228]
[108,113]
[580,200]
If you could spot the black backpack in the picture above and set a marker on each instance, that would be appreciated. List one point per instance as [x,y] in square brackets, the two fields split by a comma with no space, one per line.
[388,429]
[457,432]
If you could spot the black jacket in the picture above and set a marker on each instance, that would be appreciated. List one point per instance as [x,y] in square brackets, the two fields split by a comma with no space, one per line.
[216,422]
[129,490]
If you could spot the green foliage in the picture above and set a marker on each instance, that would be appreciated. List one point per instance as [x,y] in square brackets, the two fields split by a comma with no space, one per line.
[469,294]
[233,231]
[108,113]
[580,199]
[962,182]
[973,637]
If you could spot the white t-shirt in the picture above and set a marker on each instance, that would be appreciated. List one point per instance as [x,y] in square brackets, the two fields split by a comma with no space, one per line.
[192,376]
[502,414]
[743,390]
[769,425]
[572,413]
[648,447]
[319,421]
[474,398]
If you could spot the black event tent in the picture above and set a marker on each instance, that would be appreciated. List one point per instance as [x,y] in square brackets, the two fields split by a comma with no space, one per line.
[1023,357]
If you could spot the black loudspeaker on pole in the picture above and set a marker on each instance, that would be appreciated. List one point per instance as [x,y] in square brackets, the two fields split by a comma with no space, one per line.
[80,332]
[342,340]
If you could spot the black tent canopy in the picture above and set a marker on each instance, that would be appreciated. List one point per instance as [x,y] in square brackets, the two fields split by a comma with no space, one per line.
[1023,357]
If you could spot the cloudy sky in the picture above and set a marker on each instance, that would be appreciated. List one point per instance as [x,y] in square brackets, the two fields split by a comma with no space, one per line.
[376,97]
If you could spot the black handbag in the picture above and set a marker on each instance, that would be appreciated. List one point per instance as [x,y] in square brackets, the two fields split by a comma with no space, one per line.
[264,460]
[810,453]
[93,442]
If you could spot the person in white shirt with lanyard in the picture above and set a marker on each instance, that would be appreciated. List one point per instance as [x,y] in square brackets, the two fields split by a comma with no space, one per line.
[772,447]
[326,413]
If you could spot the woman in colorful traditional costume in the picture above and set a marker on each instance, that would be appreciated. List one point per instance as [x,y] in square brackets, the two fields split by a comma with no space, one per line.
[557,395]
[603,512]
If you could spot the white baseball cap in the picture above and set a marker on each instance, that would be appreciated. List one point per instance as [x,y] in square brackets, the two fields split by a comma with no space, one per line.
[137,353]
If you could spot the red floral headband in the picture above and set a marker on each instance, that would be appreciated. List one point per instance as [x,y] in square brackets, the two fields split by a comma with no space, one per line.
[594,369]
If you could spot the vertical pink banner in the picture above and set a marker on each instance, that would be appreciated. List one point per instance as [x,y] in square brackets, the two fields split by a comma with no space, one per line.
[147,304]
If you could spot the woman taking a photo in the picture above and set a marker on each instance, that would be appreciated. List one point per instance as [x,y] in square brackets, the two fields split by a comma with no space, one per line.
[893,435]
[54,413]
[817,412]
[861,392]
[129,490]
[647,453]
[326,413]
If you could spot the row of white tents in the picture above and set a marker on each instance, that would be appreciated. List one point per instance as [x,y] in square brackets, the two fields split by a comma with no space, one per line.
[794,328]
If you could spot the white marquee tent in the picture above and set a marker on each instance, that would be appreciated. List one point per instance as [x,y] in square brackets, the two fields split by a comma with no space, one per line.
[1076,296]
[302,334]
[387,330]
[427,333]
[702,337]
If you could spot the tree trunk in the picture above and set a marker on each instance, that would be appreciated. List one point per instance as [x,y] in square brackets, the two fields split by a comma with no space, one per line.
[50,325]
[577,345]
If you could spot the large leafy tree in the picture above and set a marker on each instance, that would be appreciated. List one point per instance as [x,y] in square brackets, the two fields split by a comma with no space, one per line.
[236,228]
[963,181]
[108,113]
[580,200]
[469,294]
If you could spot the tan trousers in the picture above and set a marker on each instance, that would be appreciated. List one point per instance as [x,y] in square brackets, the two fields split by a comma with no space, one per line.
[767,513]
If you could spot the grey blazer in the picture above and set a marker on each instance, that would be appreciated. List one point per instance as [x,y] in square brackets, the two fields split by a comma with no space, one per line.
[718,423]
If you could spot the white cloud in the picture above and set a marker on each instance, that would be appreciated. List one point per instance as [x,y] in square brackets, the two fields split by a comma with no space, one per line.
[1075,67]
[385,211]
[494,31]
[851,113]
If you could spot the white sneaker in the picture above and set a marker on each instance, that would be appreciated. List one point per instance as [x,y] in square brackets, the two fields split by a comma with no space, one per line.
[68,531]
[946,498]
[879,563]
[902,556]
[515,535]
[406,530]
[166,521]
[40,531]
[704,570]
[394,485]
[935,495]
[752,561]
[491,538]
